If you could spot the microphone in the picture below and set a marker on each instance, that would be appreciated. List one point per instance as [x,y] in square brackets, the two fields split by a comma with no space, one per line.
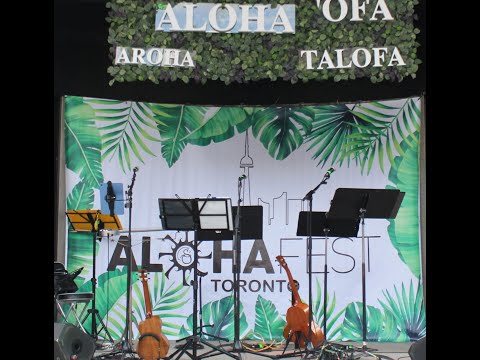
[110,198]
[135,169]
[329,172]
[243,177]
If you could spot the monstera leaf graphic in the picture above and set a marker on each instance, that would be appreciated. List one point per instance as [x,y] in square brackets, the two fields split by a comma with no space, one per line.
[177,123]
[219,314]
[165,298]
[219,125]
[281,129]
[404,229]
[352,323]
[269,324]
[127,128]
[408,311]
[391,331]
[82,141]
[81,197]
[318,312]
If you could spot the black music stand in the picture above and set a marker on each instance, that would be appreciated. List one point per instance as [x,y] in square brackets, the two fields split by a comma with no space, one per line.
[324,225]
[93,221]
[194,215]
[371,204]
[248,225]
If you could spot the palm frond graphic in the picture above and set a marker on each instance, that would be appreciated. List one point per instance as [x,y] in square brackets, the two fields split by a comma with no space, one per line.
[129,130]
[408,310]
[362,133]
[82,142]
[269,324]
[318,312]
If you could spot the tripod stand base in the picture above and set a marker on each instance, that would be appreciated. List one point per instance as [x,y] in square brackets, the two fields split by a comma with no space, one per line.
[190,346]
[193,342]
[237,346]
[365,348]
[95,333]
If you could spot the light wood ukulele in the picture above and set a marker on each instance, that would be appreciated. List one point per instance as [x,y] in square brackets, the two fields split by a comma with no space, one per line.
[298,315]
[152,344]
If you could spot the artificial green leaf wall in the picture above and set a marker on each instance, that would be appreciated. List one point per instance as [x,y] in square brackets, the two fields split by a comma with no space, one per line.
[251,57]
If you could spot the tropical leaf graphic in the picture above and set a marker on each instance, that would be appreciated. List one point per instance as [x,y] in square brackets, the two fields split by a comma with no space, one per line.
[165,298]
[111,289]
[82,142]
[269,324]
[408,311]
[362,133]
[352,323]
[177,123]
[318,312]
[381,128]
[81,197]
[80,253]
[128,128]
[404,229]
[219,126]
[391,331]
[220,314]
[281,129]
[331,127]
[380,327]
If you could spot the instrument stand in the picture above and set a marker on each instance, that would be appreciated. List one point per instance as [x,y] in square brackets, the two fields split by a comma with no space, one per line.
[196,214]
[365,203]
[93,221]
[298,334]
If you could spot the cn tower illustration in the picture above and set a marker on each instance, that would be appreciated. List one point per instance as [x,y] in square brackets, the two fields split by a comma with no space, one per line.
[246,162]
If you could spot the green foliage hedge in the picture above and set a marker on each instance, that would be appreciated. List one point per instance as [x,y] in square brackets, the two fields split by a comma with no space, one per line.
[247,57]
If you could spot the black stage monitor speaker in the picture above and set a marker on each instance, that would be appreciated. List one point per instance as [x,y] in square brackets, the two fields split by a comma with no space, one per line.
[69,340]
[418,349]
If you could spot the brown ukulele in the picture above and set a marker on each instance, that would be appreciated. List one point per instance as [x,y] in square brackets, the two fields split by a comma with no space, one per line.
[298,315]
[152,344]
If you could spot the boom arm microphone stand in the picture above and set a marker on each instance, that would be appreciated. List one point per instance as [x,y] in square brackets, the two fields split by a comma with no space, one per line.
[309,346]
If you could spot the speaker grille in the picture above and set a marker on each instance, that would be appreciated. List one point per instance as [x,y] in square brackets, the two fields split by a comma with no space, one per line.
[418,349]
[70,340]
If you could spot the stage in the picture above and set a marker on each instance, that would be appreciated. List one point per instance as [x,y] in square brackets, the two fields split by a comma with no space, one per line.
[383,350]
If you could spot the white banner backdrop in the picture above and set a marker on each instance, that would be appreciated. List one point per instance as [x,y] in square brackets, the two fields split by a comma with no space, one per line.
[284,153]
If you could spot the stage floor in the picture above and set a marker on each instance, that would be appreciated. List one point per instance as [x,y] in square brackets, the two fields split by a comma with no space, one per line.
[224,351]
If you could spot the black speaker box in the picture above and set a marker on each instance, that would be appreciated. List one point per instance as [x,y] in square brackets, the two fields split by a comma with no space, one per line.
[418,349]
[69,340]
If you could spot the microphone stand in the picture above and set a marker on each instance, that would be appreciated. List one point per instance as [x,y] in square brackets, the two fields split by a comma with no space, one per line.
[127,344]
[237,346]
[309,346]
